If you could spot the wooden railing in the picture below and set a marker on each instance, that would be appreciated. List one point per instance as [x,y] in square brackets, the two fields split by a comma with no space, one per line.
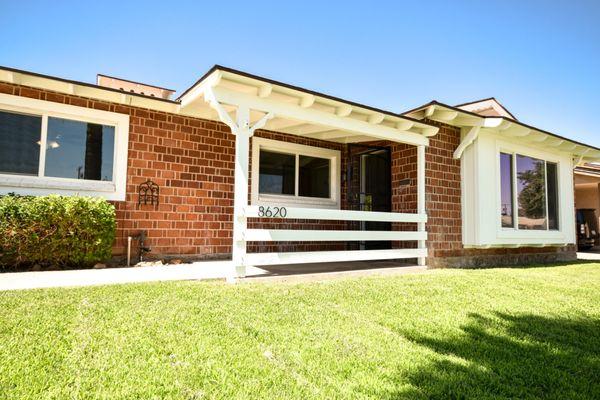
[267,235]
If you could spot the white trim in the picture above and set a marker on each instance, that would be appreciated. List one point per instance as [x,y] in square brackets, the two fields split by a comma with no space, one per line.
[41,185]
[296,149]
[421,201]
[285,235]
[332,256]
[341,215]
[481,179]
[515,231]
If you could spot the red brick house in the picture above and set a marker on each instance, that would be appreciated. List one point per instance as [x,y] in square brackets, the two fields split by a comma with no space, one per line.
[266,172]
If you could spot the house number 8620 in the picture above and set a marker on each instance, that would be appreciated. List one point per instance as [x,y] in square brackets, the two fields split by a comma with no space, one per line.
[272,212]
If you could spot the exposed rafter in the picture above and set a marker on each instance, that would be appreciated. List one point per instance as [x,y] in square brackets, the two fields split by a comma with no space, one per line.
[343,111]
[265,90]
[318,117]
[307,101]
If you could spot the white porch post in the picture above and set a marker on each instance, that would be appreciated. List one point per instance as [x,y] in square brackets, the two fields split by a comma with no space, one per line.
[421,196]
[240,193]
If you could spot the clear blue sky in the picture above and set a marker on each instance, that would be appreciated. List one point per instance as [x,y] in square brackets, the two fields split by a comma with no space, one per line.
[541,59]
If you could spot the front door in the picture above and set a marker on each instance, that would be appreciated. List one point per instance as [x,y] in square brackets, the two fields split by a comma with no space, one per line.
[369,187]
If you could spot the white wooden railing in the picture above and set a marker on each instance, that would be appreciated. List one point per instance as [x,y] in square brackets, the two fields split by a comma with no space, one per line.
[267,235]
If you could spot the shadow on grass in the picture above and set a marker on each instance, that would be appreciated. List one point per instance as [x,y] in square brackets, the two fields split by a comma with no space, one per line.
[508,356]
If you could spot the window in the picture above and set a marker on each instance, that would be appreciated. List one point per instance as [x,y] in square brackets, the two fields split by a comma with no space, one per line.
[47,147]
[19,143]
[294,174]
[506,190]
[277,171]
[529,190]
[79,150]
[313,176]
[74,149]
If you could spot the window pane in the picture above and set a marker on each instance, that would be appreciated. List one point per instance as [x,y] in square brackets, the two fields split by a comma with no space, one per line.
[19,148]
[276,173]
[79,150]
[531,189]
[552,179]
[314,177]
[506,190]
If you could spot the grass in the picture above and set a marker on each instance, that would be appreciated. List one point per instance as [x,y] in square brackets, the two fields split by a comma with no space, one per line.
[503,333]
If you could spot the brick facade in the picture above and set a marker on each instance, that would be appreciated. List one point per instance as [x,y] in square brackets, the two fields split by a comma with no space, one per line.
[192,161]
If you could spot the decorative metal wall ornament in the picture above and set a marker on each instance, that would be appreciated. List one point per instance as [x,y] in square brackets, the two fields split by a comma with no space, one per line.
[148,193]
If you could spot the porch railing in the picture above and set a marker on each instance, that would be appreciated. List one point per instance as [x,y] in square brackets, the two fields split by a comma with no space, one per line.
[267,235]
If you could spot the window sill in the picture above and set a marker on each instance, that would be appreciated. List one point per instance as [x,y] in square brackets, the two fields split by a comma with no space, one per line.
[9,182]
[530,234]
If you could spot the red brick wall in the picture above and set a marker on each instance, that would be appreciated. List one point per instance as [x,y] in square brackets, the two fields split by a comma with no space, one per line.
[442,193]
[192,162]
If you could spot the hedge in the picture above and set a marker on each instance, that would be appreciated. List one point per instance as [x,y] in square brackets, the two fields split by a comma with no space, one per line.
[64,231]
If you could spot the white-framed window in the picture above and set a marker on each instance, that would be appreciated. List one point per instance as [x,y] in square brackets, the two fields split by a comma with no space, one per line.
[294,175]
[529,192]
[48,147]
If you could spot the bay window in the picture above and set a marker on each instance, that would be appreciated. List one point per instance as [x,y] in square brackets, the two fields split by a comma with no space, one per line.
[48,148]
[528,193]
[291,174]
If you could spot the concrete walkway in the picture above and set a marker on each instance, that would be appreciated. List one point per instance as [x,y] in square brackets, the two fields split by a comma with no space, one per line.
[202,270]
[91,277]
[588,256]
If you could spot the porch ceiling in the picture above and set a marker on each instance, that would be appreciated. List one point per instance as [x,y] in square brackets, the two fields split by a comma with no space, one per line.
[300,112]
[508,127]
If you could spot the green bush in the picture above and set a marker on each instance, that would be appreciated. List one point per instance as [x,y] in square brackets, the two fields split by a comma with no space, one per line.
[55,230]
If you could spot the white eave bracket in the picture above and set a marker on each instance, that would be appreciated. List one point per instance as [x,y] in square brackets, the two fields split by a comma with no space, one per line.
[579,162]
[242,127]
[466,142]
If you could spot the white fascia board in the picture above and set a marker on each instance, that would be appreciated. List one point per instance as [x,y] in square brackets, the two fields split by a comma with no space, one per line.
[297,112]
[200,89]
[94,93]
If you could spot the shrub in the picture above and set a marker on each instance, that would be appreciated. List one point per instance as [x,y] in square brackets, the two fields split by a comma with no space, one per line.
[57,230]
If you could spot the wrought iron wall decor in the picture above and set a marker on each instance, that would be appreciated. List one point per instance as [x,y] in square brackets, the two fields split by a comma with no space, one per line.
[148,193]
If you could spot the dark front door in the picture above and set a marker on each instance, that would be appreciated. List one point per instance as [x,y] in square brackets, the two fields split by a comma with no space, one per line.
[369,188]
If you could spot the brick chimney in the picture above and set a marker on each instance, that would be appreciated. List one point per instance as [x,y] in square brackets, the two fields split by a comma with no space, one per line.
[133,87]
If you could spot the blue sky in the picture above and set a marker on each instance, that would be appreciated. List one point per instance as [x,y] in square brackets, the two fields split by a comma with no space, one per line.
[541,59]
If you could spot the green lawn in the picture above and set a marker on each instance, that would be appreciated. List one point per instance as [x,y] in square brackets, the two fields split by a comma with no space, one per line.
[500,333]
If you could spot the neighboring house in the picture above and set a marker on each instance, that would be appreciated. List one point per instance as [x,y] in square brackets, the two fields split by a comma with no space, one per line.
[587,199]
[304,177]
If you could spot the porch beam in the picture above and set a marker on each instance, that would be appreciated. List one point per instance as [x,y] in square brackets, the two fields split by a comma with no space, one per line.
[328,135]
[307,129]
[283,123]
[319,117]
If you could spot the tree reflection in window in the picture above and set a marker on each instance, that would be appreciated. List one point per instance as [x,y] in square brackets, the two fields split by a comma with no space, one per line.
[531,189]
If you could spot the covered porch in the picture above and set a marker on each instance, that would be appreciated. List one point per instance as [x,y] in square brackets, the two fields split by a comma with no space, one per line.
[303,194]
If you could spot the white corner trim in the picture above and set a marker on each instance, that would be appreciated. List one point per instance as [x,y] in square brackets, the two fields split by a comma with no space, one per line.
[42,185]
